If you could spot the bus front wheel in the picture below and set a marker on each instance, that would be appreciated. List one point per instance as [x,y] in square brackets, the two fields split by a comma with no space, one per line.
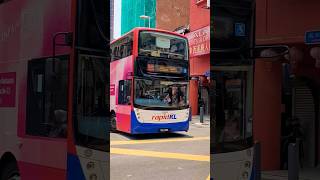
[113,123]
[10,171]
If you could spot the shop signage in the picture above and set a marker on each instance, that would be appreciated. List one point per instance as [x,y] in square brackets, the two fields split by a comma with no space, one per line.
[7,89]
[312,37]
[200,1]
[199,42]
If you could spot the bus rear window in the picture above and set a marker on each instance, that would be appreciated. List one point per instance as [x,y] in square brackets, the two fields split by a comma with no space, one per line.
[162,45]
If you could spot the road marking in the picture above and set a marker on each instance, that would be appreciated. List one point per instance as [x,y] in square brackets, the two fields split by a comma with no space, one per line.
[167,155]
[157,141]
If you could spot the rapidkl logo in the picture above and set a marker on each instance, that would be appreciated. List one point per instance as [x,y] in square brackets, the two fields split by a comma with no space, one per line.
[165,116]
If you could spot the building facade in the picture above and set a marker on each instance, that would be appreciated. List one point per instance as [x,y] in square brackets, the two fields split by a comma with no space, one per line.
[131,10]
[111,19]
[199,42]
[191,18]
[172,15]
[288,88]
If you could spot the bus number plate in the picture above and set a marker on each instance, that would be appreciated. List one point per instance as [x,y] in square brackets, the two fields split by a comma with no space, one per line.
[164,130]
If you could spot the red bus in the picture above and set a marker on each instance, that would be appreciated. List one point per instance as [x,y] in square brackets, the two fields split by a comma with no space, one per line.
[149,82]
[53,96]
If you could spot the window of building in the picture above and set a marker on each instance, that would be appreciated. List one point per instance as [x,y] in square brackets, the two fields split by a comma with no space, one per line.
[47,97]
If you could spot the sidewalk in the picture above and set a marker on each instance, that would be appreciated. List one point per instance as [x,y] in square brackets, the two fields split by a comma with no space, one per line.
[196,121]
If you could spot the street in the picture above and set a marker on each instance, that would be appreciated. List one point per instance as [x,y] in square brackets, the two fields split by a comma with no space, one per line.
[171,156]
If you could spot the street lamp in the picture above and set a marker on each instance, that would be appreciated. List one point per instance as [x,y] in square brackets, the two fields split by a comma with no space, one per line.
[146,17]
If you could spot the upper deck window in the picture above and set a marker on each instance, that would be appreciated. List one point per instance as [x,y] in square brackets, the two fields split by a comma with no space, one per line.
[122,48]
[162,45]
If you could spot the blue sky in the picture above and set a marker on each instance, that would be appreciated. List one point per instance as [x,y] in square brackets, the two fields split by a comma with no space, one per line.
[117,19]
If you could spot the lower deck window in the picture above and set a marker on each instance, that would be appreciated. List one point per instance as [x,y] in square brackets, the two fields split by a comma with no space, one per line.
[47,97]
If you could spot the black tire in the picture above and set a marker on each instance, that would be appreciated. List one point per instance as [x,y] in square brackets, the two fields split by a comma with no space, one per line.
[113,123]
[9,170]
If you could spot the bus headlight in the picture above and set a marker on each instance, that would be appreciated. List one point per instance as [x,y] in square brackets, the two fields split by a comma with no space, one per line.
[249,152]
[93,177]
[247,164]
[90,165]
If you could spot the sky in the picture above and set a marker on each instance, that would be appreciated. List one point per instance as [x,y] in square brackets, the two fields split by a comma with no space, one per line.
[117,19]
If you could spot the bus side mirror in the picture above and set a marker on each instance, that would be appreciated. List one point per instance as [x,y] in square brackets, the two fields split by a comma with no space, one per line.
[270,51]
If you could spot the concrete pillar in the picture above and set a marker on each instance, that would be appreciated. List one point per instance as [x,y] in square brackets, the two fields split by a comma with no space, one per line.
[267,112]
[193,96]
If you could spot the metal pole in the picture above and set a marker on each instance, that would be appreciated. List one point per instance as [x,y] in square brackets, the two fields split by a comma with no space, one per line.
[293,162]
[257,160]
[201,114]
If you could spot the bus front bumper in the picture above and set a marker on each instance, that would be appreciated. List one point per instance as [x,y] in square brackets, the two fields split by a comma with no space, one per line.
[148,128]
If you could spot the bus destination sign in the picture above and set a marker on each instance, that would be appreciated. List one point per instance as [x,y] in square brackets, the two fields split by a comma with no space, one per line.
[156,68]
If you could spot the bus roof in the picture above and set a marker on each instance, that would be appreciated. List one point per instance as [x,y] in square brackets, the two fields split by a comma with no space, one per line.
[150,29]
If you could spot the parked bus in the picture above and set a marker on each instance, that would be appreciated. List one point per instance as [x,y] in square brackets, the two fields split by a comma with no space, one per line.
[149,82]
[53,90]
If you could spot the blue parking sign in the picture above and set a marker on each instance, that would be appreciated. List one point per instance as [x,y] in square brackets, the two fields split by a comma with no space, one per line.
[312,37]
[240,29]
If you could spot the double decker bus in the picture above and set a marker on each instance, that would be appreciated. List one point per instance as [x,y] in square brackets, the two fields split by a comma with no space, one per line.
[233,153]
[54,90]
[232,67]
[149,81]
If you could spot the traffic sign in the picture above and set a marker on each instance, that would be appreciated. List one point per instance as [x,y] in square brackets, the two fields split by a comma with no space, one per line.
[239,29]
[312,37]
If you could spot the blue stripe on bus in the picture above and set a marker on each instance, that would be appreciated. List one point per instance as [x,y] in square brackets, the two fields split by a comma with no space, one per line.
[74,170]
[139,128]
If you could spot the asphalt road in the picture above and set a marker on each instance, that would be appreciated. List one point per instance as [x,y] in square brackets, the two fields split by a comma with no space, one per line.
[174,156]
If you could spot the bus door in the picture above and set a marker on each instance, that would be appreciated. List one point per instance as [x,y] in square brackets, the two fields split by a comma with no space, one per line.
[43,146]
[88,96]
[123,109]
[90,118]
[232,118]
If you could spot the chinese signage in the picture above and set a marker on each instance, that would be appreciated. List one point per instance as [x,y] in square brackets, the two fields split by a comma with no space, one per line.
[199,42]
[312,37]
[7,89]
[200,1]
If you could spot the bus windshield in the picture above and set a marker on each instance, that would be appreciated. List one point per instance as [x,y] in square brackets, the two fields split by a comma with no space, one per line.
[162,45]
[161,93]
[231,112]
[91,114]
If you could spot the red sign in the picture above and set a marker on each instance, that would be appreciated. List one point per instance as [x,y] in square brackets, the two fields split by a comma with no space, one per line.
[200,1]
[199,42]
[7,89]
[112,90]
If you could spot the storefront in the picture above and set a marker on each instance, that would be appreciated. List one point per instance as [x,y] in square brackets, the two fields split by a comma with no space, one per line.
[287,90]
[199,43]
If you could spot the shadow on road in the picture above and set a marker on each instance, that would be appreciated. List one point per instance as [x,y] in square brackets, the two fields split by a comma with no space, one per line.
[153,136]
